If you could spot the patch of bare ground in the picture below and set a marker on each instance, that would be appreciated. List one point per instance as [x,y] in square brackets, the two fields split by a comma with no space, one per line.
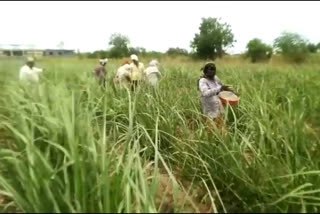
[184,197]
[6,205]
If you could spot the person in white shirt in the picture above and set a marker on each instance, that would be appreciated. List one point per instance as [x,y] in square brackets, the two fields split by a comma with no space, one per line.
[123,75]
[210,87]
[137,71]
[152,73]
[29,72]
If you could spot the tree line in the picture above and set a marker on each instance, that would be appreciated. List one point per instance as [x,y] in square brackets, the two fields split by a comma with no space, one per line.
[211,42]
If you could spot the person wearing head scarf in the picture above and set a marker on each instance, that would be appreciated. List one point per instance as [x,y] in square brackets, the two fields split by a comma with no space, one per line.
[100,72]
[137,71]
[210,87]
[29,72]
[152,73]
[123,75]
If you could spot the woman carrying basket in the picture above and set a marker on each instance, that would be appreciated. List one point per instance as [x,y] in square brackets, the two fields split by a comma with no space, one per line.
[210,86]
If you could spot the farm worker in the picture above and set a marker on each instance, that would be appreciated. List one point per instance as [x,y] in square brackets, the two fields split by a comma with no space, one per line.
[137,71]
[123,75]
[100,72]
[152,73]
[29,72]
[126,62]
[210,86]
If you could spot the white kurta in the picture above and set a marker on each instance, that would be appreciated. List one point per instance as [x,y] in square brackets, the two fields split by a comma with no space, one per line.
[123,75]
[137,72]
[29,74]
[211,103]
[153,75]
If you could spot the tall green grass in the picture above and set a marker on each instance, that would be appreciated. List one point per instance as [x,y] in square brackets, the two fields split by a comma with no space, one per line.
[75,147]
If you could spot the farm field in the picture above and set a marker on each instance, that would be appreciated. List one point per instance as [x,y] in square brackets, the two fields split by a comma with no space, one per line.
[67,145]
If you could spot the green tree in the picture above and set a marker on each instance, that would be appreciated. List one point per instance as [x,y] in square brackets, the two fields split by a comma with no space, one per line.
[137,51]
[214,36]
[119,45]
[177,51]
[155,54]
[98,54]
[292,46]
[257,50]
[312,48]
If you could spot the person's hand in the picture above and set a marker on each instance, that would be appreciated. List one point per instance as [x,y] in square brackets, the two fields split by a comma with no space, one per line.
[225,88]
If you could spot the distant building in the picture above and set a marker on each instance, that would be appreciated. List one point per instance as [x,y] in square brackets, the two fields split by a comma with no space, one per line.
[58,52]
[20,51]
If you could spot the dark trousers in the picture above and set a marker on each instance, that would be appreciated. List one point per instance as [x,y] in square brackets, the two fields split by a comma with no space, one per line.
[134,85]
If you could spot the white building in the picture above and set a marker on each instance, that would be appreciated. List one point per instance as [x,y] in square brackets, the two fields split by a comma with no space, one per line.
[16,50]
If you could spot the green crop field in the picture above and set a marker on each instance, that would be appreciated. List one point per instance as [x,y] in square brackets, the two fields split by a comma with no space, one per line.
[67,145]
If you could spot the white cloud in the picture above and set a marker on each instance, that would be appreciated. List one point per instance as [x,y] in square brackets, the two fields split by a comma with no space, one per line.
[153,25]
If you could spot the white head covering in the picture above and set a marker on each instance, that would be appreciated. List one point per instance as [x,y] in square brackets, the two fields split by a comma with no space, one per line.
[134,57]
[30,59]
[154,63]
[104,61]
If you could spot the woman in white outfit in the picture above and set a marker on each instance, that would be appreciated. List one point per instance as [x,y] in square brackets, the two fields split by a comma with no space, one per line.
[210,86]
[152,73]
[123,75]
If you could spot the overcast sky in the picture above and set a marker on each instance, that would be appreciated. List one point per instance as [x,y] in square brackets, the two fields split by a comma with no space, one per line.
[87,26]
